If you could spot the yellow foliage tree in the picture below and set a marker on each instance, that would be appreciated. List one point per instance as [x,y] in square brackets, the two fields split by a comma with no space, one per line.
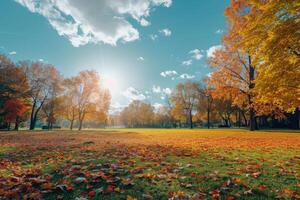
[272,35]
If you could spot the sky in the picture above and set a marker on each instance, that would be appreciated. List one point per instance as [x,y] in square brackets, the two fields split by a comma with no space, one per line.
[141,48]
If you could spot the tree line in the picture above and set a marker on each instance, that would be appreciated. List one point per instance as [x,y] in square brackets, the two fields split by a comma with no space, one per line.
[37,92]
[195,104]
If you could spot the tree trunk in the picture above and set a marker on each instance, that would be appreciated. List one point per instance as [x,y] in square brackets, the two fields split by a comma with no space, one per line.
[252,121]
[33,121]
[80,125]
[48,125]
[239,118]
[245,119]
[31,126]
[17,124]
[191,119]
[71,125]
[208,118]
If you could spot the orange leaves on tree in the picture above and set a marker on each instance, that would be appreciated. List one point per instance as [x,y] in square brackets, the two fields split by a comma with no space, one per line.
[14,108]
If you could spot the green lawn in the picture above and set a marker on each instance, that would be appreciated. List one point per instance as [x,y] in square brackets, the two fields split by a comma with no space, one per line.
[150,164]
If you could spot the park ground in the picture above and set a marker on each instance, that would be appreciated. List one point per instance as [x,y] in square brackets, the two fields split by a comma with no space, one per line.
[150,164]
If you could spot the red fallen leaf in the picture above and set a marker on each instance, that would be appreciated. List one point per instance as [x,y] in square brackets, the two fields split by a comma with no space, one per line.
[91,193]
[236,180]
[193,174]
[215,193]
[262,187]
[256,174]
[109,189]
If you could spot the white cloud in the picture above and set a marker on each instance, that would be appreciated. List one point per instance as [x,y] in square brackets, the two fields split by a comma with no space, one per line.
[210,52]
[168,73]
[162,91]
[153,37]
[219,31]
[187,62]
[12,53]
[196,54]
[140,58]
[166,32]
[156,89]
[167,91]
[209,74]
[186,76]
[166,3]
[144,22]
[95,21]
[133,94]
[116,107]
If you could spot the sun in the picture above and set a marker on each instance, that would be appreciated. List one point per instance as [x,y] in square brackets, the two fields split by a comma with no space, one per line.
[112,82]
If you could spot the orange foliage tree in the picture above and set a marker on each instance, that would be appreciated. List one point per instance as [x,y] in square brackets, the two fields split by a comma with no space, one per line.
[13,110]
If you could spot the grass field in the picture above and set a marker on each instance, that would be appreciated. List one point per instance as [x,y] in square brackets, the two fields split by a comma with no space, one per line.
[150,164]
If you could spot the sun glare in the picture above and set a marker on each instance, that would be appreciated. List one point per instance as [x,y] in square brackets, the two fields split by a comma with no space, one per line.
[112,82]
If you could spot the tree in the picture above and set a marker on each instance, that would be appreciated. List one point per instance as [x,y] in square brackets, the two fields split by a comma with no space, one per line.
[185,98]
[266,32]
[88,95]
[14,109]
[138,114]
[272,37]
[206,95]
[41,77]
[163,117]
[70,101]
[239,65]
[102,108]
[13,87]
[53,103]
[234,74]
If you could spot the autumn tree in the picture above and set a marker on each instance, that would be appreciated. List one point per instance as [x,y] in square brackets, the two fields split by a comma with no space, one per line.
[205,105]
[138,114]
[272,37]
[102,109]
[234,70]
[263,35]
[185,98]
[13,91]
[41,78]
[87,96]
[53,103]
[163,117]
[70,110]
[14,109]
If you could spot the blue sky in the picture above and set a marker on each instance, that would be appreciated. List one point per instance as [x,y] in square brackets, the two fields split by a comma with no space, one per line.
[142,48]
